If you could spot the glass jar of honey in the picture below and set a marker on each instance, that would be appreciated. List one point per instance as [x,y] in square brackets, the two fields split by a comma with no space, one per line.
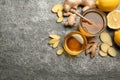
[96,16]
[74,43]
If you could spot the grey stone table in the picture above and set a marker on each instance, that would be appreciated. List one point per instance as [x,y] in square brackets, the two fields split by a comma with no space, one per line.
[25,54]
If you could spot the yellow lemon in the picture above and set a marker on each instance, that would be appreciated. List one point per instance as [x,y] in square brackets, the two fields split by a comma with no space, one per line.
[107,5]
[114,19]
[117,37]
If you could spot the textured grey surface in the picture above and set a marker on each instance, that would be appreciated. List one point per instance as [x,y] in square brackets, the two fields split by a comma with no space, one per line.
[25,54]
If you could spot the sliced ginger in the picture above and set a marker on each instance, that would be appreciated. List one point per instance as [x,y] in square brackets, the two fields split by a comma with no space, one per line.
[58,8]
[60,19]
[60,51]
[55,40]
[107,50]
[102,54]
[54,36]
[112,52]
[104,47]
[105,38]
[60,14]
[52,41]
[56,44]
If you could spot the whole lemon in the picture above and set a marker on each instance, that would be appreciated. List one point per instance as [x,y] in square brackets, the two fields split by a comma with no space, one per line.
[107,5]
[117,37]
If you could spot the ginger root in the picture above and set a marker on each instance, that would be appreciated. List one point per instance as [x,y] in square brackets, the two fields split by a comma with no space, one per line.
[73,4]
[91,48]
[71,21]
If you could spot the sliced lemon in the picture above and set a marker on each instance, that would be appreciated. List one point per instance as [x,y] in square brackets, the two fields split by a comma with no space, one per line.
[114,19]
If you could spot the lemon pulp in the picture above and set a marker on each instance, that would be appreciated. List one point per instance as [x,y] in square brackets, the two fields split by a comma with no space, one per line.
[114,19]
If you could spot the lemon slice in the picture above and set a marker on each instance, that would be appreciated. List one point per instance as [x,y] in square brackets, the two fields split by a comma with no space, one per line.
[114,19]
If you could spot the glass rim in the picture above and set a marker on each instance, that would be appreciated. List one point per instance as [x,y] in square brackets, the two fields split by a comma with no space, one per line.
[101,13]
[66,47]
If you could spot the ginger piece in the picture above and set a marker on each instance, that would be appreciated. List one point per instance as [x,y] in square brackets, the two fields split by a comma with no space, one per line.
[91,48]
[105,38]
[71,21]
[107,44]
[88,48]
[60,19]
[60,14]
[104,47]
[54,36]
[60,51]
[102,54]
[56,44]
[57,7]
[112,52]
[54,41]
[73,4]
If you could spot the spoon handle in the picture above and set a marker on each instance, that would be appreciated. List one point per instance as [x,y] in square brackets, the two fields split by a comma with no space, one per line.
[78,14]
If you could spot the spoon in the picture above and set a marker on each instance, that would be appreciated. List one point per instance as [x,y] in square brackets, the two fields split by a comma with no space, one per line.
[78,14]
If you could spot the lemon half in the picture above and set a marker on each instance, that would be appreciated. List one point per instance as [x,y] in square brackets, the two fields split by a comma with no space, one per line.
[114,19]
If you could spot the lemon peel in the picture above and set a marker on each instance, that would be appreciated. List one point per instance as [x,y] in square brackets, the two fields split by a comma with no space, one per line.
[117,37]
[107,5]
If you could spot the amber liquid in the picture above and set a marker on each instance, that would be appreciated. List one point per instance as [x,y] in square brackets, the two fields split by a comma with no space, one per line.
[97,19]
[74,44]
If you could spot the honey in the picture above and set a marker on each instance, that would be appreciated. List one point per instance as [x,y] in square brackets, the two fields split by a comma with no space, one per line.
[74,43]
[99,19]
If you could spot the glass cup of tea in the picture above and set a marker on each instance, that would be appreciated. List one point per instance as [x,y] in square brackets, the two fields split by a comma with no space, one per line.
[99,23]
